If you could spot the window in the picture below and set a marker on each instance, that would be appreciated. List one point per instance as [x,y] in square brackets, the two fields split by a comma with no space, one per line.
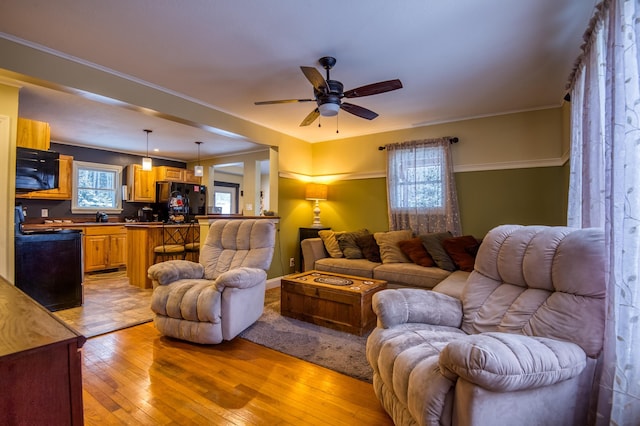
[225,197]
[96,187]
[421,187]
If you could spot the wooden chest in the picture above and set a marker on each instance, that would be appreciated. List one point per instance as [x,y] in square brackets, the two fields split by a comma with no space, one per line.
[340,302]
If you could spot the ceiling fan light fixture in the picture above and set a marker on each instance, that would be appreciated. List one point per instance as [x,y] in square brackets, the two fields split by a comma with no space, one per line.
[329,109]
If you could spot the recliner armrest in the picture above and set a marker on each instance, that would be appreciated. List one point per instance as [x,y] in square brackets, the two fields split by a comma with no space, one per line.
[410,305]
[165,273]
[503,362]
[242,277]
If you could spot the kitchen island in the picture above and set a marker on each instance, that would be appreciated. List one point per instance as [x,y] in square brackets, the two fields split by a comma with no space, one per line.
[142,238]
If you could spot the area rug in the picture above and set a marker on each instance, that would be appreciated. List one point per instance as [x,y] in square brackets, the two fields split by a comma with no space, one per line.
[335,350]
[110,303]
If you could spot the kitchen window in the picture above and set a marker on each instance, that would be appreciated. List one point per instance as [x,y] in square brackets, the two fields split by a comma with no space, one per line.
[96,187]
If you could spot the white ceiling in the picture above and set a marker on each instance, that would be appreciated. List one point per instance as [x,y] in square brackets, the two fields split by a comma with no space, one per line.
[456,59]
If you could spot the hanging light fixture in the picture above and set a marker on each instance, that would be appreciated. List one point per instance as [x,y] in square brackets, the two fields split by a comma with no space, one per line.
[147,163]
[198,170]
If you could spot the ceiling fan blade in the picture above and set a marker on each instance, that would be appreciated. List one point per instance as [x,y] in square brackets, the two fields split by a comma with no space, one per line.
[283,101]
[358,110]
[311,117]
[373,89]
[316,79]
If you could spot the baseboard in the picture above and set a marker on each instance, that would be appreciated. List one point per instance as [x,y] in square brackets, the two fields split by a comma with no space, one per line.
[273,283]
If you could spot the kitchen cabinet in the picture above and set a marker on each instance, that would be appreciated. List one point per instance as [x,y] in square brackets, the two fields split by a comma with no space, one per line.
[64,189]
[105,247]
[175,174]
[33,134]
[141,184]
[190,177]
[40,363]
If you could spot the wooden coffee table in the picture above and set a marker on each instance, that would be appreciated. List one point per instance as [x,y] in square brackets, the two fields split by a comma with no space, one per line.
[337,301]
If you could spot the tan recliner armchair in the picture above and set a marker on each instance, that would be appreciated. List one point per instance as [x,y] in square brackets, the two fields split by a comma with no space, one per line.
[223,294]
[519,348]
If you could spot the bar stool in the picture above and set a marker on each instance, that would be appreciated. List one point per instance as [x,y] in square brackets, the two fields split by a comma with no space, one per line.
[172,244]
[192,247]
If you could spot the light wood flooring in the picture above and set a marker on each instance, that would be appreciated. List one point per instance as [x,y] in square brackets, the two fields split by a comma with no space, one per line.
[109,304]
[135,376]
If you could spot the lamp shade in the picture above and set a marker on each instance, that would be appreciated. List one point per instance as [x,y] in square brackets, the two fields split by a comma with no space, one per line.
[147,164]
[316,191]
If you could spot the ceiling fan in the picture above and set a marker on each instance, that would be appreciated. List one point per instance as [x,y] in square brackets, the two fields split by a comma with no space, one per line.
[328,94]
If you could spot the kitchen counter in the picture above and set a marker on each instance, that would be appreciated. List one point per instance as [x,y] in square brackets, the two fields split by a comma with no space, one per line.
[75,224]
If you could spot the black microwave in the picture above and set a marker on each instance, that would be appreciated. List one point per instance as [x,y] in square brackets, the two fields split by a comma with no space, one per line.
[36,170]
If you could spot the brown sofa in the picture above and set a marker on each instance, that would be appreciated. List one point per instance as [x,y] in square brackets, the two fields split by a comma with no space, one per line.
[402,273]
[519,348]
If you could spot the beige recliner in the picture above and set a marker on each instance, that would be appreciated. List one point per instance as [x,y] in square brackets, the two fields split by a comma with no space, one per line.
[519,348]
[223,294]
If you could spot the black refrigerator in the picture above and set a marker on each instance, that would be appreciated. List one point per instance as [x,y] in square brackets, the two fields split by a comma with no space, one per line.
[174,199]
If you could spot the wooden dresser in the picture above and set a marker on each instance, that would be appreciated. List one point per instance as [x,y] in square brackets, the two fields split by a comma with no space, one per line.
[40,364]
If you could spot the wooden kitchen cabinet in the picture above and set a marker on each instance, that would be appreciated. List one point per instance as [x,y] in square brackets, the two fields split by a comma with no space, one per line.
[33,134]
[190,177]
[175,174]
[105,247]
[64,189]
[141,184]
[40,364]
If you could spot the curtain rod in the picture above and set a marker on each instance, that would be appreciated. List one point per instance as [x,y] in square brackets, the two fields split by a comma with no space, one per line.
[451,140]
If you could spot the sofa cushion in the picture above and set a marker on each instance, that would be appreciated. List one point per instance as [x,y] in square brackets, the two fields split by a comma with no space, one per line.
[433,243]
[349,246]
[357,267]
[453,285]
[369,247]
[330,242]
[462,250]
[389,249]
[410,274]
[415,251]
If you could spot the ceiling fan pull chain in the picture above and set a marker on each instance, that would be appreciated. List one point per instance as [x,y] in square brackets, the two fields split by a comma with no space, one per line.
[319,122]
[337,115]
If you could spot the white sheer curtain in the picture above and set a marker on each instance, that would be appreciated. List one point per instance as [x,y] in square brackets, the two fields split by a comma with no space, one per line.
[605,192]
[421,189]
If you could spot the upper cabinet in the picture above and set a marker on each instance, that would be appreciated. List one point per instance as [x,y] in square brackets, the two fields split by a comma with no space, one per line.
[33,134]
[141,184]
[175,174]
[63,191]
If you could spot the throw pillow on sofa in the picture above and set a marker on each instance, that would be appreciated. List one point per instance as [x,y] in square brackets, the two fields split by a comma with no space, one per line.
[369,247]
[414,249]
[348,245]
[433,243]
[462,250]
[389,249]
[330,242]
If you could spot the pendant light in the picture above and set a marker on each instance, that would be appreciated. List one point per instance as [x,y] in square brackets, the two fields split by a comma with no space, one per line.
[198,170]
[147,163]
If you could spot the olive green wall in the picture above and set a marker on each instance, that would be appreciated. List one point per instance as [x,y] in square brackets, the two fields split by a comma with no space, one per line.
[534,196]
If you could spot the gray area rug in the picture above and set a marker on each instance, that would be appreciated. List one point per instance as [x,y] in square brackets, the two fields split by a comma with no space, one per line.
[336,350]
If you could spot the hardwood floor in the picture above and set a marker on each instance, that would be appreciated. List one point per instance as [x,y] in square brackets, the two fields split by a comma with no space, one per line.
[136,376]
